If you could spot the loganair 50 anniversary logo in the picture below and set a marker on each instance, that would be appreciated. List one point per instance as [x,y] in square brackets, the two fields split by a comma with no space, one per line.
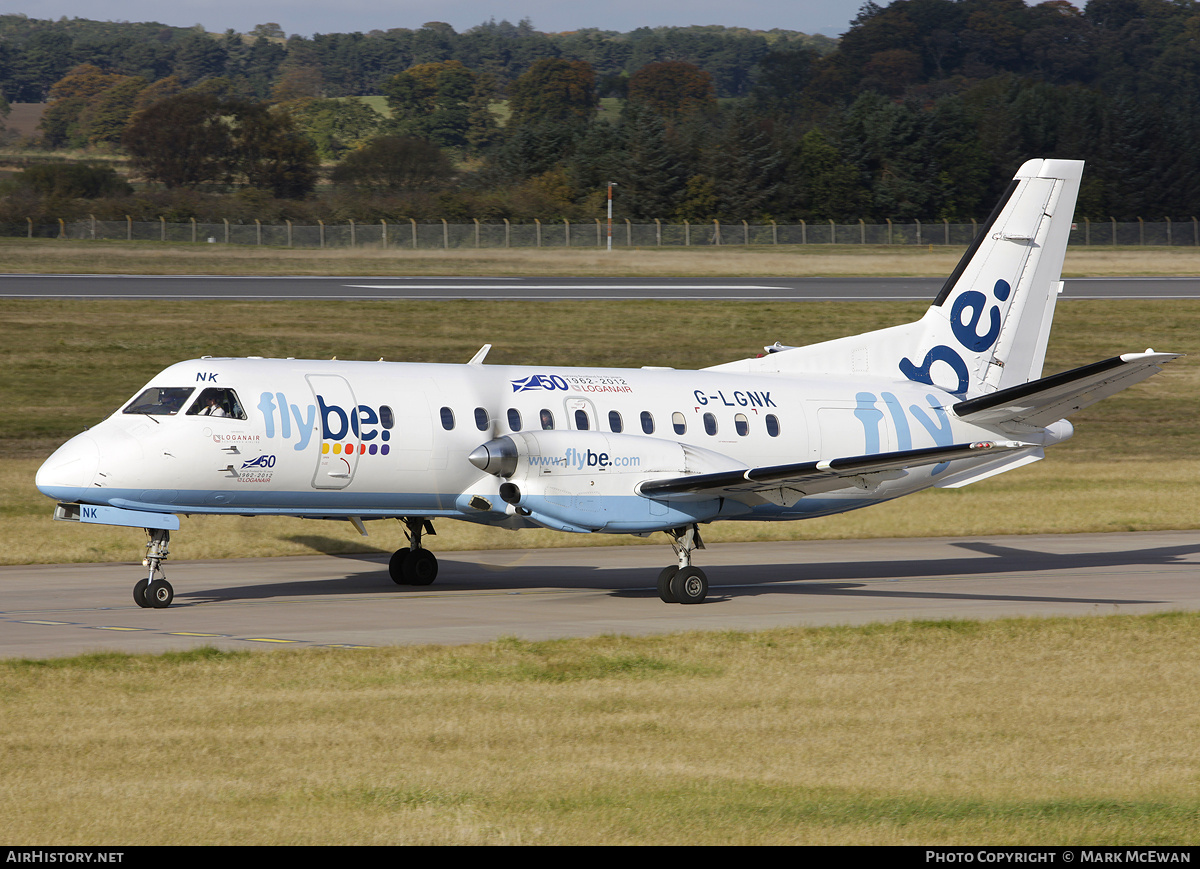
[965,329]
[362,429]
[570,383]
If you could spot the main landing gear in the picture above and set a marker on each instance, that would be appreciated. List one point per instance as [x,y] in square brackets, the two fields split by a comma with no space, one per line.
[684,583]
[414,566]
[154,592]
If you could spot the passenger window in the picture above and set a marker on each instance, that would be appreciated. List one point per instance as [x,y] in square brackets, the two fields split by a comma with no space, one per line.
[514,419]
[581,420]
[710,424]
[217,401]
[614,422]
[447,419]
[772,425]
[481,419]
[647,422]
[741,425]
[678,423]
[159,401]
[547,419]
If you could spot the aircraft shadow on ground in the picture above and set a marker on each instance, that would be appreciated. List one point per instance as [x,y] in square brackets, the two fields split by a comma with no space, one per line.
[730,581]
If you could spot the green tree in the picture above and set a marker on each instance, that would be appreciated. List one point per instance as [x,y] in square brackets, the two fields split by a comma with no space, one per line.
[181,141]
[392,164]
[336,126]
[673,89]
[554,91]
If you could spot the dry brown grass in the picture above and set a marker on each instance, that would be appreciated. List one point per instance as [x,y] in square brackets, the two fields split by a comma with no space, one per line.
[1033,732]
[99,257]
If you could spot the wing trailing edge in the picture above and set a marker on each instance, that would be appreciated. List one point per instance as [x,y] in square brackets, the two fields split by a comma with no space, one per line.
[789,483]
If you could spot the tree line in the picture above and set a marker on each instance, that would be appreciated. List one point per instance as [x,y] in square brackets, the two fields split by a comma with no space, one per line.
[923,110]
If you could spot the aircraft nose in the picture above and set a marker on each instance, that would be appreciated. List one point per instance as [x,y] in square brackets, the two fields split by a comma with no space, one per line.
[72,466]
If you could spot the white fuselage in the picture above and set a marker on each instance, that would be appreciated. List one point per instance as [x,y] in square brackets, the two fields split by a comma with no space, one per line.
[343,439]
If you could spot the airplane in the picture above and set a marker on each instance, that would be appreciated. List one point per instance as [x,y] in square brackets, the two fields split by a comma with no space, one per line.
[948,400]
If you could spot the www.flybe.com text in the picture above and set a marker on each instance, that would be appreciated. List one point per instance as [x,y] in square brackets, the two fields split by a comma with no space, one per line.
[573,458]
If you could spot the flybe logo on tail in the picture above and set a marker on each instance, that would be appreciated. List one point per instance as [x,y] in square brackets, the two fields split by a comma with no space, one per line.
[965,314]
[295,422]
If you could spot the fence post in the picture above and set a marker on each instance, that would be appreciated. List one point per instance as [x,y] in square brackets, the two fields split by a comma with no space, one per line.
[803,231]
[162,228]
[862,231]
[1195,232]
[889,223]
[1087,232]
[1114,226]
[226,219]
[774,233]
[128,228]
[657,232]
[445,235]
[599,234]
[1141,232]
[918,231]
[62,228]
[687,234]
[628,233]
[413,221]
[321,232]
[538,231]
[383,232]
[745,233]
[352,239]
[1168,232]
[289,226]
[193,220]
[507,231]
[258,231]
[476,219]
[93,217]
[716,232]
[832,232]
[946,223]
[567,232]
[974,229]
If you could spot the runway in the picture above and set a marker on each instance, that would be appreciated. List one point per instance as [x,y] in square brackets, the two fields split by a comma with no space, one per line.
[314,601]
[200,287]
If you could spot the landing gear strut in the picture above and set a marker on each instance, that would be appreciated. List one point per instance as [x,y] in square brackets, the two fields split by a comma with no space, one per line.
[414,566]
[683,583]
[151,591]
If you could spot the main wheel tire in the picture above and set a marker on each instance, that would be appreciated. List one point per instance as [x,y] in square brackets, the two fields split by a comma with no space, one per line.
[159,594]
[689,585]
[421,567]
[139,593]
[396,566]
[664,584]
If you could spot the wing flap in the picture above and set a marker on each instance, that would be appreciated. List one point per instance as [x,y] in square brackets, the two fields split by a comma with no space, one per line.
[1039,403]
[808,478]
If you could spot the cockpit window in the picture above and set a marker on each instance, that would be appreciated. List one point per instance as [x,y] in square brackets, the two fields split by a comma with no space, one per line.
[217,401]
[160,400]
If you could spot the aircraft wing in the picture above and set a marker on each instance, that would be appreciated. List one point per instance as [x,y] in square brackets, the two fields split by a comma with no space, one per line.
[1040,402]
[786,484]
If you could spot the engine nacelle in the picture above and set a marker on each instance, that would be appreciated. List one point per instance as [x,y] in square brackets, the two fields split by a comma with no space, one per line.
[587,480]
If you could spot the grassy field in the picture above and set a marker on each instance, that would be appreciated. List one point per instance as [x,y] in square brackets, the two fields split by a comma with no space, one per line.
[46,256]
[69,364]
[1002,732]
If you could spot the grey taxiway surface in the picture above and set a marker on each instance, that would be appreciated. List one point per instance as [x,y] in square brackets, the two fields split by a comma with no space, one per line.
[55,610]
[199,287]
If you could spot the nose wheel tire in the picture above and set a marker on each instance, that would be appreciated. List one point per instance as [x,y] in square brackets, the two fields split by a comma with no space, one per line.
[689,585]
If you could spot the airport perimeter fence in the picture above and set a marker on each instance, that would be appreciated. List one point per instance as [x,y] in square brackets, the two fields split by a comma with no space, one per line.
[431,235]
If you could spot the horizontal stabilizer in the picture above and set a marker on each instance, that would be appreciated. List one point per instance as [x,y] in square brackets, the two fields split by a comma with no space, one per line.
[807,478]
[1041,402]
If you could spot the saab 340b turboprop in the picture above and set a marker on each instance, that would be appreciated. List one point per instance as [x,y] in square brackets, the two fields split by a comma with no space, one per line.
[948,400]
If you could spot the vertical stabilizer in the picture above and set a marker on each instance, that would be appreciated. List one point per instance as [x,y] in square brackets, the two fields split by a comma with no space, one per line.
[989,325]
